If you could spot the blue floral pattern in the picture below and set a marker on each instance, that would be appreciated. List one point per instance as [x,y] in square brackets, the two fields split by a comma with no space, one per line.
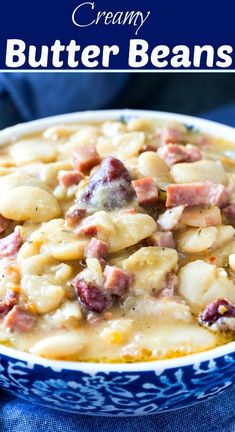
[117,393]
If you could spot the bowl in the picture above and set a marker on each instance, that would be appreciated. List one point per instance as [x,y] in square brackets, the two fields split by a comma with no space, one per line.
[118,389]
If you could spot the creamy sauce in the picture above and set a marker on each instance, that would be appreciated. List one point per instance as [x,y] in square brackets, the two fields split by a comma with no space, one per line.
[167,287]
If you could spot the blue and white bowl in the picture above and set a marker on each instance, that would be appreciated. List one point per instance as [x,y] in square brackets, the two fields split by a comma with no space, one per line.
[118,389]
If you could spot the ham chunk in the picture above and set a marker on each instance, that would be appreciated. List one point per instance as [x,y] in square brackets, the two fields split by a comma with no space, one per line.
[175,153]
[109,186]
[170,218]
[10,245]
[229,213]
[117,281]
[162,239]
[99,224]
[69,178]
[88,226]
[9,301]
[188,194]
[219,195]
[74,216]
[193,152]
[89,229]
[201,193]
[146,191]
[171,135]
[96,249]
[19,320]
[219,316]
[85,158]
[93,298]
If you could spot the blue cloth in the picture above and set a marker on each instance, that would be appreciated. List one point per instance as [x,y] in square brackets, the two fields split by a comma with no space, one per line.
[39,95]
[25,97]
[216,415]
[225,114]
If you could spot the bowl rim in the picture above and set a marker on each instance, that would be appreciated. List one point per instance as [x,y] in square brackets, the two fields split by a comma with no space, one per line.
[207,126]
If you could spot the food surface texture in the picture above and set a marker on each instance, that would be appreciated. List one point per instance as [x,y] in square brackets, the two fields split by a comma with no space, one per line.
[117,241]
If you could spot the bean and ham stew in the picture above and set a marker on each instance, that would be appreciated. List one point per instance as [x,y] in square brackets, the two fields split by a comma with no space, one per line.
[117,241]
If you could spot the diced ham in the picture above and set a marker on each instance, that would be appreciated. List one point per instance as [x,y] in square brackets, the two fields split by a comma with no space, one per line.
[92,297]
[96,298]
[10,300]
[169,220]
[189,194]
[10,245]
[88,226]
[85,158]
[219,195]
[219,316]
[229,213]
[19,320]
[4,309]
[146,191]
[69,178]
[193,152]
[74,216]
[4,223]
[89,230]
[171,135]
[172,153]
[162,239]
[109,187]
[98,224]
[96,249]
[116,280]
[192,194]
[176,153]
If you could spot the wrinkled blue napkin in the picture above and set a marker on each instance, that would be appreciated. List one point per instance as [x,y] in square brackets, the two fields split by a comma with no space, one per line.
[38,95]
[29,96]
[216,415]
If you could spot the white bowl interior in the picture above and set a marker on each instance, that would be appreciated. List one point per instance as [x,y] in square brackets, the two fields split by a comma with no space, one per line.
[215,129]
